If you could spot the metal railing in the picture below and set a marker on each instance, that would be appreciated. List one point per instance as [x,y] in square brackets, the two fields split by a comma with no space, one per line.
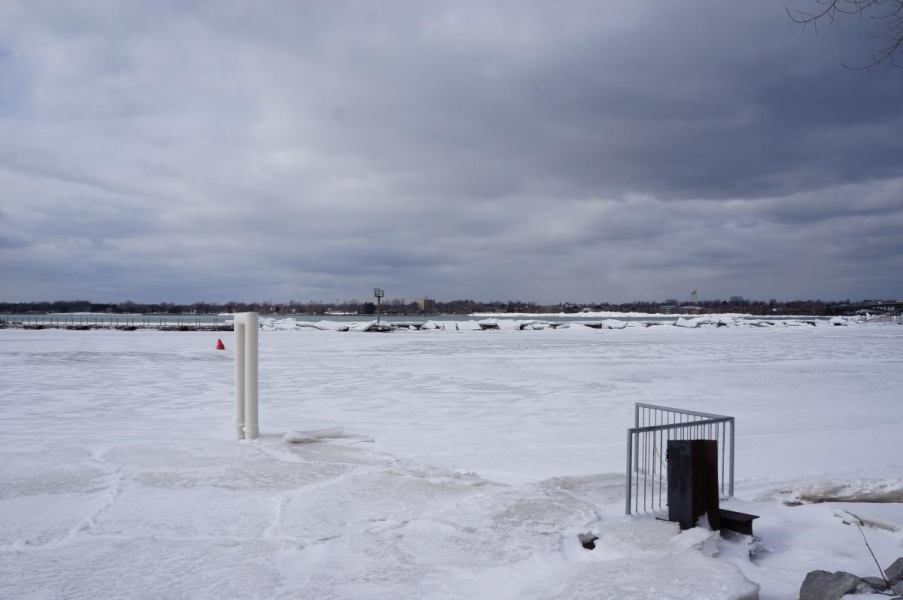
[99,321]
[647,441]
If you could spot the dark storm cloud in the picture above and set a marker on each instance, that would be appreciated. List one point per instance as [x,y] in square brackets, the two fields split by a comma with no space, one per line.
[550,151]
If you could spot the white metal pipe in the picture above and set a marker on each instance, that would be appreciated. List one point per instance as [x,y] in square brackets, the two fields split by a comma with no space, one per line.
[246,326]
[239,327]
[252,431]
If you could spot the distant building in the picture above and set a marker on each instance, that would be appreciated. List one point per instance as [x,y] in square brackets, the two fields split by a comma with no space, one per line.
[692,308]
[426,305]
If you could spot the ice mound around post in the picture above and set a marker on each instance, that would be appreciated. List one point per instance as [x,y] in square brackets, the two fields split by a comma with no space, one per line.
[312,435]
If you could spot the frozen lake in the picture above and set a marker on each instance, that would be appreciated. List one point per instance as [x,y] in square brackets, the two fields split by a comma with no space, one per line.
[470,462]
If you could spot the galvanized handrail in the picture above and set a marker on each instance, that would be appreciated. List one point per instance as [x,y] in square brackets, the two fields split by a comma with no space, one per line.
[647,441]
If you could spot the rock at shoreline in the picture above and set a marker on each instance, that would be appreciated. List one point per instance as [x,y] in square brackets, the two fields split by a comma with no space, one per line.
[824,585]
[894,572]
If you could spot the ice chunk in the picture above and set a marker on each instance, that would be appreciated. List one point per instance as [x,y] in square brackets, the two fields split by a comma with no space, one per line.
[312,435]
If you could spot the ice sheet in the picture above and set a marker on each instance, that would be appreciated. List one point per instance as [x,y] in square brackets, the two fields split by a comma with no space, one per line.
[469,463]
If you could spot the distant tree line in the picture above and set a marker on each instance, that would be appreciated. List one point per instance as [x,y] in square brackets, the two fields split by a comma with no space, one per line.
[399,307]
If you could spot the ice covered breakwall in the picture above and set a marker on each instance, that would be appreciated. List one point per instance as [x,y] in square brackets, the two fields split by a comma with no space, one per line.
[135,323]
[493,324]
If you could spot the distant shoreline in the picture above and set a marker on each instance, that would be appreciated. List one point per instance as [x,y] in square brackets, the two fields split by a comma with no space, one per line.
[473,315]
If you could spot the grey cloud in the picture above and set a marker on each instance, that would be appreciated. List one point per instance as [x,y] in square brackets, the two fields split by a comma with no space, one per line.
[11,241]
[567,151]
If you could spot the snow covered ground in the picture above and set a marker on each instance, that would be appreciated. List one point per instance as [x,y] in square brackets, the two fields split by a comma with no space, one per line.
[470,462]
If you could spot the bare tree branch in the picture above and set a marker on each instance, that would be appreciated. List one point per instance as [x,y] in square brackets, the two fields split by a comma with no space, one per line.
[887,16]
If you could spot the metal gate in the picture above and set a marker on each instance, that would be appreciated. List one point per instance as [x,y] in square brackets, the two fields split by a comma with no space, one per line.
[648,439]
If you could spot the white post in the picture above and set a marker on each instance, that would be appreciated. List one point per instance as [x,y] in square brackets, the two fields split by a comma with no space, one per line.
[239,326]
[246,426]
[252,432]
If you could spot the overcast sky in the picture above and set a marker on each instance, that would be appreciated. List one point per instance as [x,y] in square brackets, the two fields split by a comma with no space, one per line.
[547,151]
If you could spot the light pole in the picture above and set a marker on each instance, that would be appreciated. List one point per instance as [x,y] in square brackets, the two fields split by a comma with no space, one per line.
[379,296]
